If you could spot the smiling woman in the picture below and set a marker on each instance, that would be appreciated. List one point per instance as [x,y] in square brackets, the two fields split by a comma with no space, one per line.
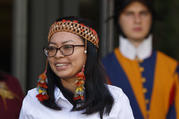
[63,66]
[73,84]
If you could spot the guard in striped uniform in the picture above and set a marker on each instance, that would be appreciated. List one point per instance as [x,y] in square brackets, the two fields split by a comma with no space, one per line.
[148,77]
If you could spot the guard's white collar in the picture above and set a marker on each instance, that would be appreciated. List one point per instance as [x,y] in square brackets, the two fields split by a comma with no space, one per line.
[143,51]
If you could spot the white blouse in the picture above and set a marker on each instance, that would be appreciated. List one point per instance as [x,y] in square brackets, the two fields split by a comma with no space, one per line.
[33,109]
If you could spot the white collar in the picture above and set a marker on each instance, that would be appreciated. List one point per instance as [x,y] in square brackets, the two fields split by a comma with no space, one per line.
[58,94]
[143,51]
[60,99]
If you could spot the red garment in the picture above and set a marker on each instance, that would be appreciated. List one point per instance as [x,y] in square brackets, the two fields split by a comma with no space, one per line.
[11,96]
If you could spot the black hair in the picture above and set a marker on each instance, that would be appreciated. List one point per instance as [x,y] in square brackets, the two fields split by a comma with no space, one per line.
[120,5]
[97,95]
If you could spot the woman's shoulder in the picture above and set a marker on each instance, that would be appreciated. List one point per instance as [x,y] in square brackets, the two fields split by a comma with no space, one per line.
[32,93]
[115,91]
[118,94]
[121,105]
[30,98]
[30,102]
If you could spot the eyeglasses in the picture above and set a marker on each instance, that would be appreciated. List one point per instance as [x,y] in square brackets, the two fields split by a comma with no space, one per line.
[66,50]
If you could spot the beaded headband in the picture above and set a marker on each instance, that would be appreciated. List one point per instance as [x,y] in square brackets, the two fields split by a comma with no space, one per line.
[76,28]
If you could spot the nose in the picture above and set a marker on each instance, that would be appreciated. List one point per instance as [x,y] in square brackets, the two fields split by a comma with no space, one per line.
[137,18]
[59,54]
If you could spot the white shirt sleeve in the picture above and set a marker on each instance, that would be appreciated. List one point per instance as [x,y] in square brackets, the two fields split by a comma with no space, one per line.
[23,115]
[121,107]
[125,108]
[27,107]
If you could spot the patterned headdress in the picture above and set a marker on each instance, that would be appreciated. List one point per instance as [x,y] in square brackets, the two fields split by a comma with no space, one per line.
[81,30]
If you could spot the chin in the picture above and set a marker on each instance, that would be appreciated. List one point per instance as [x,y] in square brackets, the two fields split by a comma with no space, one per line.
[63,75]
[138,37]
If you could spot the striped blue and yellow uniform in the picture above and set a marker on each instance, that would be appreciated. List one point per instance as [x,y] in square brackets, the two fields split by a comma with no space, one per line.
[152,85]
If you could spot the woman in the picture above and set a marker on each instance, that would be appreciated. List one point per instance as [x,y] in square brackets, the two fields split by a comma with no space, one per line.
[73,85]
[148,77]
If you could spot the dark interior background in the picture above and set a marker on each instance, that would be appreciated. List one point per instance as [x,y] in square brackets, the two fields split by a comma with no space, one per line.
[166,28]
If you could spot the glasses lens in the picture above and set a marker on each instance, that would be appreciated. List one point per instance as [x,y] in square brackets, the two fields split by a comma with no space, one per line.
[67,50]
[50,51]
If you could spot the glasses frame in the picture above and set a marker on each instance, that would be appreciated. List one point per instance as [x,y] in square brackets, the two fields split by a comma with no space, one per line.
[58,49]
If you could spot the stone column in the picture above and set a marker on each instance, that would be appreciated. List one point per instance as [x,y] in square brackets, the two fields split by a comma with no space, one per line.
[19,50]
[106,27]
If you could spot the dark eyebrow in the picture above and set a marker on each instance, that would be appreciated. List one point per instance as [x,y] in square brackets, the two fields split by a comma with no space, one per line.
[67,41]
[51,43]
[144,11]
[62,42]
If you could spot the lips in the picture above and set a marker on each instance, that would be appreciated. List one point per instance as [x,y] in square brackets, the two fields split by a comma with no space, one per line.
[61,66]
[137,29]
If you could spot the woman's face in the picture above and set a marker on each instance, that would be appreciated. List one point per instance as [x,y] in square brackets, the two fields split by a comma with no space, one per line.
[135,21]
[67,66]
